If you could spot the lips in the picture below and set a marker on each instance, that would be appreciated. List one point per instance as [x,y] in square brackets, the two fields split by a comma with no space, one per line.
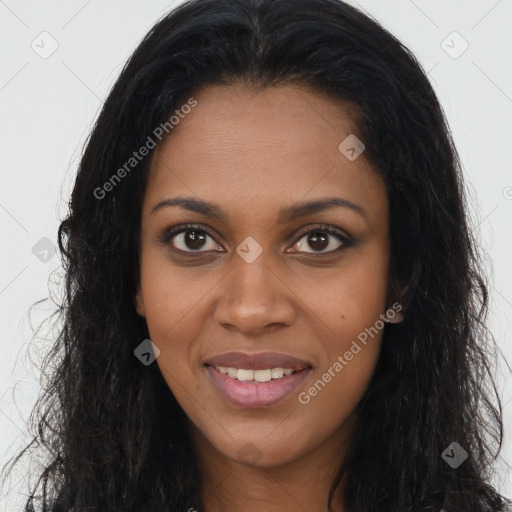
[255,395]
[284,374]
[260,361]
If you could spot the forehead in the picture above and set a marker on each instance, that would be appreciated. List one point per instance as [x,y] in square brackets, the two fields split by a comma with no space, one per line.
[246,146]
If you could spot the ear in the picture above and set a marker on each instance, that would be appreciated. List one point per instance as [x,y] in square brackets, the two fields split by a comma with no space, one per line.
[396,308]
[394,313]
[139,303]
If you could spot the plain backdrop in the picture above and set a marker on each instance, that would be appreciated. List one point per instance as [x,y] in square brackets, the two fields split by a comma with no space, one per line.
[58,62]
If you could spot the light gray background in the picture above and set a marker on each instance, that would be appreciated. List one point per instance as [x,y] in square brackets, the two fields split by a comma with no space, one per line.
[48,106]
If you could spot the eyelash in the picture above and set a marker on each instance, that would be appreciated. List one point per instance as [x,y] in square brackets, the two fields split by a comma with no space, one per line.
[169,232]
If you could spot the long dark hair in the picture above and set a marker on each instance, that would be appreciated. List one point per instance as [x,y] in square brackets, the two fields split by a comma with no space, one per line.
[115,435]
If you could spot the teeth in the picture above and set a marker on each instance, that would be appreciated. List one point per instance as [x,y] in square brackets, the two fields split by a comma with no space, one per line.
[262,375]
[245,374]
[277,373]
[255,375]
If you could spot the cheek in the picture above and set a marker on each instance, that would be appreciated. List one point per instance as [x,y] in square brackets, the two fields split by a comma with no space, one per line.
[177,304]
[171,300]
[347,300]
[348,309]
[351,363]
[171,295]
[351,350]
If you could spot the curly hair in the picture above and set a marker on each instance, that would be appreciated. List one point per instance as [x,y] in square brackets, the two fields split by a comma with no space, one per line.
[115,435]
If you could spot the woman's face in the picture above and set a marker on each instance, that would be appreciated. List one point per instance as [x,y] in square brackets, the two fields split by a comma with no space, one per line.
[257,283]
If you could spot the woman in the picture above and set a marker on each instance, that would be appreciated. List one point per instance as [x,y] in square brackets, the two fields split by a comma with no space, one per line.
[273,297]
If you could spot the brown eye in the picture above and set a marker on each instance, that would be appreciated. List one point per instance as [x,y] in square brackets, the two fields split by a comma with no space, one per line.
[318,240]
[321,241]
[194,239]
[190,239]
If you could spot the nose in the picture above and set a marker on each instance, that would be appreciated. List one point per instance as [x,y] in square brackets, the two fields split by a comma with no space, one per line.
[254,299]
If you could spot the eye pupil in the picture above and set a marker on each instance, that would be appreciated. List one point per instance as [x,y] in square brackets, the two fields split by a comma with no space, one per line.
[194,239]
[318,240]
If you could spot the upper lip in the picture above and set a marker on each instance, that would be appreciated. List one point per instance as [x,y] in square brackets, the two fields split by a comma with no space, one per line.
[260,361]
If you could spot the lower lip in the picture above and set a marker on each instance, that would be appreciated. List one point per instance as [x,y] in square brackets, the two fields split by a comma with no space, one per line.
[252,395]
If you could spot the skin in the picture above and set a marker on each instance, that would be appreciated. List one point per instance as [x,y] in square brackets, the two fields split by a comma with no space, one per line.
[253,152]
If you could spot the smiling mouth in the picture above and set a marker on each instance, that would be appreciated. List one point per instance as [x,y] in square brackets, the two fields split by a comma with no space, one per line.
[255,376]
[256,389]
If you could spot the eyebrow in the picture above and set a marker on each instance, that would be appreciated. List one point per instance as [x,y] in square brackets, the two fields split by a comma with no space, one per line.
[286,214]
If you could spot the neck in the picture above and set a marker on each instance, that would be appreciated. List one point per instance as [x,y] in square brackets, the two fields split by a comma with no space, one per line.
[228,485]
